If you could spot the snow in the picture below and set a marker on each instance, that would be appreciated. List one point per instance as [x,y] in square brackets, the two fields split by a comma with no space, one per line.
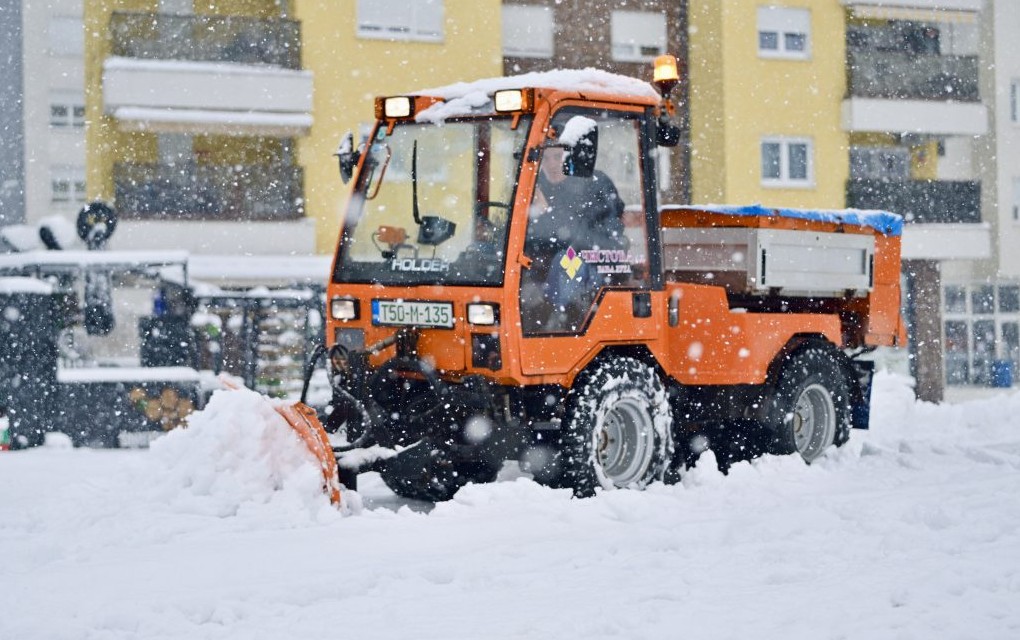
[912,530]
[464,98]
[314,268]
[575,129]
[881,221]
[25,285]
[112,259]
[209,116]
[214,68]
[127,374]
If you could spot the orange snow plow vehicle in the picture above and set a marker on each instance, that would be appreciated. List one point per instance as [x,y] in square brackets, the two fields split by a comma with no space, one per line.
[507,287]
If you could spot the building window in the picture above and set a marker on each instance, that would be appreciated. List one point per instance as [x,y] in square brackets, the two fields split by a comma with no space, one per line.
[638,36]
[879,163]
[67,109]
[67,37]
[1014,101]
[784,33]
[67,185]
[786,162]
[982,325]
[1016,200]
[527,31]
[420,20]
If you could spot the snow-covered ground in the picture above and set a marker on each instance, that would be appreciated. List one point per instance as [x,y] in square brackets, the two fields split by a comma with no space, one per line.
[910,531]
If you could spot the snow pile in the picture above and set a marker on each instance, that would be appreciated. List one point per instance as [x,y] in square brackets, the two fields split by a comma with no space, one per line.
[234,455]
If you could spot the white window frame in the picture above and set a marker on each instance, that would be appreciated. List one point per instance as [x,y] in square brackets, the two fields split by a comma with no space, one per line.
[528,31]
[784,180]
[418,20]
[73,103]
[632,31]
[1015,204]
[1014,101]
[784,22]
[67,185]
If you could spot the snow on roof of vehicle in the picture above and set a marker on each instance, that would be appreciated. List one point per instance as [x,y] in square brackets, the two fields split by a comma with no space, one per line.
[889,224]
[463,98]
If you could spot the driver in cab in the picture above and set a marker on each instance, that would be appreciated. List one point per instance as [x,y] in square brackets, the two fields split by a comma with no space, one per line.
[569,214]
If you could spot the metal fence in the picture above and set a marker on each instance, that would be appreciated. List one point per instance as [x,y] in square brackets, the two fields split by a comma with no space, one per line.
[206,38]
[204,192]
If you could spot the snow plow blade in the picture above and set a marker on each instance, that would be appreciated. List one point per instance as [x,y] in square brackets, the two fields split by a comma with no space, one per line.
[304,421]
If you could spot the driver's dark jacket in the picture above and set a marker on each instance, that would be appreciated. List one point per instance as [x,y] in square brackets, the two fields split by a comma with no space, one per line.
[583,213]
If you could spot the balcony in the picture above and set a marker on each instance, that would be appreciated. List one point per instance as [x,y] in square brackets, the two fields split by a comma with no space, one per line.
[272,192]
[206,38]
[202,74]
[898,75]
[919,201]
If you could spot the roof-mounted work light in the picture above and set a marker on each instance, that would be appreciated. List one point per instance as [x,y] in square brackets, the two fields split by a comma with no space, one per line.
[398,107]
[507,100]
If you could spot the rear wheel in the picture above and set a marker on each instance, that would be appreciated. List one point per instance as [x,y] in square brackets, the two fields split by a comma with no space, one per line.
[810,408]
[617,432]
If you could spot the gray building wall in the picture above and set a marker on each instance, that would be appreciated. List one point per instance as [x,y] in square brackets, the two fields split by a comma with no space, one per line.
[12,126]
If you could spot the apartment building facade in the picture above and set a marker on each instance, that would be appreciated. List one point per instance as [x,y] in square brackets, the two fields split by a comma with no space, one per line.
[42,110]
[850,103]
[981,298]
[212,125]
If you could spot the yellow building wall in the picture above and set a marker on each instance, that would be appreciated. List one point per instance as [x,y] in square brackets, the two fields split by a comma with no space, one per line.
[706,63]
[104,144]
[749,98]
[350,71]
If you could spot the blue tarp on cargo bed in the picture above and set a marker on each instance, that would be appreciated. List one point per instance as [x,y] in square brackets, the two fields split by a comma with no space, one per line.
[886,223]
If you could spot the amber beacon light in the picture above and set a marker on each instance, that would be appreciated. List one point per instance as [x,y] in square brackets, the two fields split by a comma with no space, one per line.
[665,76]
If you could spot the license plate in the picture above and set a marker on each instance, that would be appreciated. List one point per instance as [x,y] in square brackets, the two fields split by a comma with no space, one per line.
[404,313]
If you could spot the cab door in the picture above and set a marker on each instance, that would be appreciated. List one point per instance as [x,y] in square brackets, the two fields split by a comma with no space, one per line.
[589,274]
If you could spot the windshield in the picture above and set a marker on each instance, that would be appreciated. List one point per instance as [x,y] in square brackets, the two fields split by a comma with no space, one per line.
[432,204]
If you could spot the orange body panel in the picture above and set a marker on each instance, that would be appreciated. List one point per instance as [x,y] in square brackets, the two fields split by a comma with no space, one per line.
[712,345]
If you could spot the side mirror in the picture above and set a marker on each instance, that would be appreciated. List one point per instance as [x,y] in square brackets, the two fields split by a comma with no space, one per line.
[580,138]
[667,134]
[347,156]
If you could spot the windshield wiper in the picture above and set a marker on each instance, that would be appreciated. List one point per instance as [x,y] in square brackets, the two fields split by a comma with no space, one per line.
[414,183]
[432,230]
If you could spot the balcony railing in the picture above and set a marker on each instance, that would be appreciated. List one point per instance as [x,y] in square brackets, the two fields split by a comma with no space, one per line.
[919,201]
[906,76]
[209,192]
[206,38]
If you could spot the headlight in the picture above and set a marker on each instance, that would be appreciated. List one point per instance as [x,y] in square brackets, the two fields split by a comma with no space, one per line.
[343,309]
[482,313]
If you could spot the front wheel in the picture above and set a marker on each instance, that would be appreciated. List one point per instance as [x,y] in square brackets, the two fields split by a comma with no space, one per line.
[810,408]
[617,432]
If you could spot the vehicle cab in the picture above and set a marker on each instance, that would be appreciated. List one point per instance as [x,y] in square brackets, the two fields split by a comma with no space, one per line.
[449,231]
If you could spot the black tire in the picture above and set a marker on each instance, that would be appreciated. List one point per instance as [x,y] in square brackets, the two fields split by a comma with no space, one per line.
[810,409]
[617,431]
[432,472]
